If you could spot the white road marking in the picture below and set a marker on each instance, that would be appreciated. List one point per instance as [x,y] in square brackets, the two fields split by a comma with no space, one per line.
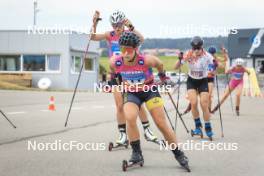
[98,107]
[14,113]
[77,108]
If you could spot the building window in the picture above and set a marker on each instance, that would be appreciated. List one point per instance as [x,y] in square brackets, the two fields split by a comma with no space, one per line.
[10,63]
[88,64]
[76,64]
[34,63]
[53,62]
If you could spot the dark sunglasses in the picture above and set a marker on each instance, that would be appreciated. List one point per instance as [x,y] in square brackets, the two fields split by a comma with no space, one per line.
[117,25]
[196,48]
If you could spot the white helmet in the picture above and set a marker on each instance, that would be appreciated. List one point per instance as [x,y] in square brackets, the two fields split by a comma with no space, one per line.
[239,61]
[117,17]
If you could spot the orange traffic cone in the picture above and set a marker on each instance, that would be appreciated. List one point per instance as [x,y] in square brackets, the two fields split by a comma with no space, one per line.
[52,104]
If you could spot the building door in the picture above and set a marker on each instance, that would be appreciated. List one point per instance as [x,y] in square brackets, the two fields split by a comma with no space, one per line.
[260,65]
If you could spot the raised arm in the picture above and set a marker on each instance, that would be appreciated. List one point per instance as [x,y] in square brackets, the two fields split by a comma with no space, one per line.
[131,27]
[182,57]
[94,36]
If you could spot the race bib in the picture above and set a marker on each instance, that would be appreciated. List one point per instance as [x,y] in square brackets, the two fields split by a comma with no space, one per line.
[115,48]
[237,75]
[197,74]
[134,78]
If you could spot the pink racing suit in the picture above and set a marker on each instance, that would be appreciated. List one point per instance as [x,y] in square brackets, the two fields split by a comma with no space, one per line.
[237,75]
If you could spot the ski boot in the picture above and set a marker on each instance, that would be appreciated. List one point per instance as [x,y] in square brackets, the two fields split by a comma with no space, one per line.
[150,137]
[198,128]
[208,131]
[121,142]
[136,157]
[197,132]
[183,160]
[135,160]
[237,110]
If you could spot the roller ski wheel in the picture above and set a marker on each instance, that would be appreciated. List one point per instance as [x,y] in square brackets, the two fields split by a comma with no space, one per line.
[126,164]
[186,167]
[112,146]
[197,132]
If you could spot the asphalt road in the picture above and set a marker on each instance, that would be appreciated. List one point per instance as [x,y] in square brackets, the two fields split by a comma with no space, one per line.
[92,122]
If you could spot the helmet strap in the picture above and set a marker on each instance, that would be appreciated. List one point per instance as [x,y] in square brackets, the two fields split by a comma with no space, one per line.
[134,57]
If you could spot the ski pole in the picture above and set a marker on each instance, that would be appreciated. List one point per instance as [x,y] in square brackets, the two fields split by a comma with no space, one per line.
[79,76]
[7,119]
[229,89]
[179,87]
[220,113]
[168,117]
[177,111]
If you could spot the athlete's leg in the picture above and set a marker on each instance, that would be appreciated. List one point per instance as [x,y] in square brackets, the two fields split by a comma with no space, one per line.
[120,116]
[158,115]
[192,94]
[131,109]
[131,113]
[149,135]
[238,94]
[143,114]
[204,101]
[119,107]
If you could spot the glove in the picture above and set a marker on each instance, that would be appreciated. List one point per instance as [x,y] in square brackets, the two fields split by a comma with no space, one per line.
[129,25]
[180,56]
[115,79]
[162,76]
[96,18]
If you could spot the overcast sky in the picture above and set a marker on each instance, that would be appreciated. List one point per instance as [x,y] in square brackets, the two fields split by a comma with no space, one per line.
[154,18]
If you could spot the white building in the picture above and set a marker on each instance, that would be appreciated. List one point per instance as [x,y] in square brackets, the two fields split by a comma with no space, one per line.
[54,56]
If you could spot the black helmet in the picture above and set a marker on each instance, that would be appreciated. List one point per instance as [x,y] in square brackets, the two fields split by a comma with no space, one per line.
[196,42]
[128,38]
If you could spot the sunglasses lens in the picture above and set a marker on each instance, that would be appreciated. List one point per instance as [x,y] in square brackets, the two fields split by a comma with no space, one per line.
[197,48]
[126,49]
[115,25]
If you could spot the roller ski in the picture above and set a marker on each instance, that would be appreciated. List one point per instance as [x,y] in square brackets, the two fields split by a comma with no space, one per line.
[197,132]
[136,160]
[150,137]
[122,142]
[136,157]
[208,131]
[183,160]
